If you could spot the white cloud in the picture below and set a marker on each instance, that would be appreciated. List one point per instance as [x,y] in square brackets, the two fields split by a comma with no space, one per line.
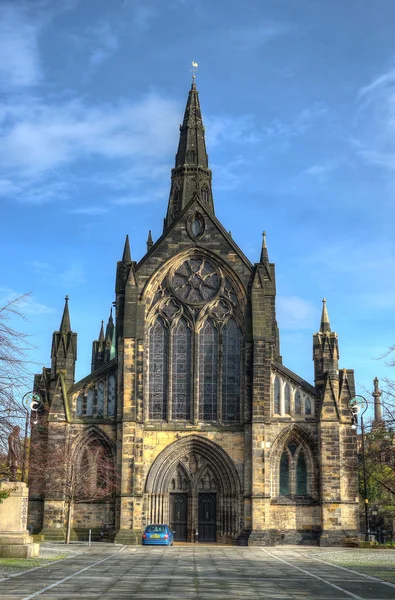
[257,35]
[38,137]
[72,275]
[294,312]
[27,305]
[20,62]
[88,210]
[321,171]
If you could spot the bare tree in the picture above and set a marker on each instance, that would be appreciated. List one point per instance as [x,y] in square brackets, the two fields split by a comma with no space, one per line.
[77,472]
[15,377]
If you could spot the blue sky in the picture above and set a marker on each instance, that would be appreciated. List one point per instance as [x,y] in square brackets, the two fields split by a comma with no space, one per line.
[298,100]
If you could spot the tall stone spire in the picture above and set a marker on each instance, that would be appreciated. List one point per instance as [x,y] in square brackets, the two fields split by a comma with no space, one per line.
[65,326]
[191,176]
[325,324]
[101,334]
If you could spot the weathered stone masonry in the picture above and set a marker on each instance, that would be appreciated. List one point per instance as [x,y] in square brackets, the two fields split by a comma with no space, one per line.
[207,429]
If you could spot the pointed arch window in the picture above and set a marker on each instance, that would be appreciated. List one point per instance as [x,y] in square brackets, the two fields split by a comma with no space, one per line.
[205,194]
[100,399]
[158,370]
[287,399]
[298,403]
[284,474]
[79,406]
[293,471]
[231,370]
[307,406]
[89,402]
[191,156]
[301,475]
[181,375]
[276,388]
[111,396]
[208,372]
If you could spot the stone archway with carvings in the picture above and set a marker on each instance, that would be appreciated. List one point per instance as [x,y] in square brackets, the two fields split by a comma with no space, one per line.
[193,485]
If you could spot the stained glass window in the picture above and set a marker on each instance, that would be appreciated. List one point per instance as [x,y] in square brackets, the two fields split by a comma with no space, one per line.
[231,367]
[277,396]
[301,475]
[100,399]
[307,406]
[80,402]
[284,473]
[111,396]
[287,399]
[158,359]
[208,372]
[298,403]
[89,403]
[181,376]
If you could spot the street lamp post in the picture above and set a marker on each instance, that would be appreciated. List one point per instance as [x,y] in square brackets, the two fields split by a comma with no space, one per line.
[31,402]
[356,404]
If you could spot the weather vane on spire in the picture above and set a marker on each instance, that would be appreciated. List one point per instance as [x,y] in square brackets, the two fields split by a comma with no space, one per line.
[194,69]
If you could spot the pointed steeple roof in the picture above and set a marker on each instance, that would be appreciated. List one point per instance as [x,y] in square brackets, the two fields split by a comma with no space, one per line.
[126,257]
[191,176]
[65,326]
[101,334]
[110,327]
[264,252]
[325,325]
[150,242]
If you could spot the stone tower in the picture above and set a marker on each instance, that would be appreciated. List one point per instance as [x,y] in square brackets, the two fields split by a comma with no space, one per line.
[188,394]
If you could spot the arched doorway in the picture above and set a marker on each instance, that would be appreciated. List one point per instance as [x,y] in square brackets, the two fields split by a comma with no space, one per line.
[193,486]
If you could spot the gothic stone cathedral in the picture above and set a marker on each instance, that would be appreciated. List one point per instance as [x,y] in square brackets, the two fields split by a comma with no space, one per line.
[188,396]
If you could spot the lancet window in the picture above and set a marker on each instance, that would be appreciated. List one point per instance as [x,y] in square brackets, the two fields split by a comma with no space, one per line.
[231,357]
[208,372]
[287,399]
[158,370]
[277,395]
[181,367]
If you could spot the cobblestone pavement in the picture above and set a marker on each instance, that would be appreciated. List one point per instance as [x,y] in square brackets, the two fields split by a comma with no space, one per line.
[201,573]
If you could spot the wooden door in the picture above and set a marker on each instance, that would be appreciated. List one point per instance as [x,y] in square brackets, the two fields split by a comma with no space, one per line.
[207,517]
[179,516]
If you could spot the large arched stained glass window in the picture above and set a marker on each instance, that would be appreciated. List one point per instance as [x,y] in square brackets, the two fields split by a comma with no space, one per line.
[231,369]
[284,474]
[181,374]
[276,396]
[287,399]
[158,359]
[208,372]
[301,475]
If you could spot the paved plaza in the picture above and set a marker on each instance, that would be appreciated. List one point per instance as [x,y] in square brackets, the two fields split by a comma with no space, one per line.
[198,572]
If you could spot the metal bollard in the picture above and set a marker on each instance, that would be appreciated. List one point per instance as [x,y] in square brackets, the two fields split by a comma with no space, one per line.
[196,536]
[90,537]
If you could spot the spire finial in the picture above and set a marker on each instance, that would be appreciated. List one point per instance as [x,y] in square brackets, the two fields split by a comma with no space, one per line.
[264,252]
[325,324]
[65,322]
[194,70]
[126,257]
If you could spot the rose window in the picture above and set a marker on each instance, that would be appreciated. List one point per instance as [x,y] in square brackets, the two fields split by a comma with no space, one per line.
[196,280]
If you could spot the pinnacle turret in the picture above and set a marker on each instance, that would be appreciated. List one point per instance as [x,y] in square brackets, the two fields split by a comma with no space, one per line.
[325,325]
[65,326]
[126,257]
[191,177]
[150,243]
[101,334]
[110,327]
[264,252]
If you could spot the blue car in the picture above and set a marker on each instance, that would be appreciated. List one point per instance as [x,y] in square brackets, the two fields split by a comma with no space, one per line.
[160,535]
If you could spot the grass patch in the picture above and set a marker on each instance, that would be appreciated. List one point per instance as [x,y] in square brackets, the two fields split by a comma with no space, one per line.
[29,563]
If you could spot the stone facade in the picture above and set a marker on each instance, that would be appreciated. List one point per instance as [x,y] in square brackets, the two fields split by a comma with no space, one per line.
[207,429]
